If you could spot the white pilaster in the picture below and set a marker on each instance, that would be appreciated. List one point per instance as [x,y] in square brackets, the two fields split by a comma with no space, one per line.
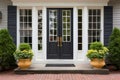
[44,33]
[34,32]
[85,32]
[75,31]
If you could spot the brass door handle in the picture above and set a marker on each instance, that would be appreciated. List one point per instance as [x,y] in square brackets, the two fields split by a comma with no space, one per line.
[60,41]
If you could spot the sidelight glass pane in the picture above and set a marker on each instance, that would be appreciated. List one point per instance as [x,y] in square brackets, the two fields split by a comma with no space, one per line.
[79,29]
[39,29]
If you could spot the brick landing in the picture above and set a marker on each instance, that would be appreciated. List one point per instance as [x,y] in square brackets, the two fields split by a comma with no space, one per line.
[12,76]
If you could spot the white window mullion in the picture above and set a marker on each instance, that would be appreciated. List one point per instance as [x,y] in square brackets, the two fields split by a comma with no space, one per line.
[34,31]
[85,31]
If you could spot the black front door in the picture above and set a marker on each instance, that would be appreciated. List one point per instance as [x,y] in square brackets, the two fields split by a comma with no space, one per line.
[59,33]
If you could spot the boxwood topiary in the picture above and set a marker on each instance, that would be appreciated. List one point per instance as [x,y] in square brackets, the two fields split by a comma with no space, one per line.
[114,48]
[7,48]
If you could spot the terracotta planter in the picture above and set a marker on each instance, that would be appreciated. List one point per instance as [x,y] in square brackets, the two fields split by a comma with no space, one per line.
[24,63]
[97,63]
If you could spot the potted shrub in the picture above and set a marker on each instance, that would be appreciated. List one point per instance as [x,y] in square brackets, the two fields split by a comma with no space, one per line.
[23,55]
[97,54]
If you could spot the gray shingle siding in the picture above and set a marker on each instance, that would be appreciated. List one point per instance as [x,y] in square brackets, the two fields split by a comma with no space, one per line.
[116,12]
[3,9]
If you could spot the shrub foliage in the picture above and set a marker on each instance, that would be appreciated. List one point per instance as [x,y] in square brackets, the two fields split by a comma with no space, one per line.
[24,46]
[7,48]
[114,48]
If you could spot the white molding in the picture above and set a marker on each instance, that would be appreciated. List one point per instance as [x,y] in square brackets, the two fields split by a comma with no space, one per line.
[56,4]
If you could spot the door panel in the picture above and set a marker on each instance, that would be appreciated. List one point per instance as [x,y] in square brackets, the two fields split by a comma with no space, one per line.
[52,33]
[67,34]
[59,33]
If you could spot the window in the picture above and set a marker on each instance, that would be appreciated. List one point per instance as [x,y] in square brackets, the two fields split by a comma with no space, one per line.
[94,29]
[39,29]
[79,29]
[26,26]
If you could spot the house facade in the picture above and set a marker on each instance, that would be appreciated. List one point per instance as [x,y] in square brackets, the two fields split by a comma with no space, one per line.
[60,31]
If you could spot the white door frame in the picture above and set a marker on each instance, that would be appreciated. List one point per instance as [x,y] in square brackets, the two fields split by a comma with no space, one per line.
[40,57]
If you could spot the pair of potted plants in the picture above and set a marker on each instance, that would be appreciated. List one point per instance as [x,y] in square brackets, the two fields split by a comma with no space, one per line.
[23,55]
[97,54]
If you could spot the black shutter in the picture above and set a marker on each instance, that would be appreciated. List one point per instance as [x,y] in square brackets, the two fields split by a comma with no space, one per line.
[12,22]
[108,23]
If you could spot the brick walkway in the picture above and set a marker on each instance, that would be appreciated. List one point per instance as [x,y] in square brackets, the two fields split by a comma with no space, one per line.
[11,76]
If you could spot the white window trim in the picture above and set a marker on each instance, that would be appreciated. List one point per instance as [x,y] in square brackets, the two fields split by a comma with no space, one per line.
[102,21]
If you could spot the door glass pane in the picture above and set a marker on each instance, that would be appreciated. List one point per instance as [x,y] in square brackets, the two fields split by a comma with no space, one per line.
[53,25]
[66,25]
